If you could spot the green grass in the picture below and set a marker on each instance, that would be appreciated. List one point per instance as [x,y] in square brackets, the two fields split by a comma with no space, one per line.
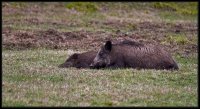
[179,39]
[174,17]
[86,7]
[173,11]
[32,78]
[92,11]
[186,8]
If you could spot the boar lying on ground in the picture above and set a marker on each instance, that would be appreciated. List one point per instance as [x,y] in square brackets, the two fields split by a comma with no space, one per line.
[133,54]
[82,60]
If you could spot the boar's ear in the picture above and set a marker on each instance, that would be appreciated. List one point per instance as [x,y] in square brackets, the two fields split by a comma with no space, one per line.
[75,56]
[108,45]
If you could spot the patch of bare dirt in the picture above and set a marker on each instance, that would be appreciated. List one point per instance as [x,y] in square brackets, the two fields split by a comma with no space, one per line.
[147,32]
[167,27]
[86,40]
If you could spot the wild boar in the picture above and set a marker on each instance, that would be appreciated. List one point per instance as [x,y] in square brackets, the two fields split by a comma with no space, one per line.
[131,54]
[79,60]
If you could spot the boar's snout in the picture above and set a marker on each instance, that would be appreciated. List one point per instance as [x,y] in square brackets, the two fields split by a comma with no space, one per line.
[92,66]
[97,65]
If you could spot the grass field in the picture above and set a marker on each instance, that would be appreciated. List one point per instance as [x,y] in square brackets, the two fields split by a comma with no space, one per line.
[32,78]
[36,41]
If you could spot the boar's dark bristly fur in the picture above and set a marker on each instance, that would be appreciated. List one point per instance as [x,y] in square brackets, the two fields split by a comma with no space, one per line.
[79,60]
[128,42]
[133,54]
